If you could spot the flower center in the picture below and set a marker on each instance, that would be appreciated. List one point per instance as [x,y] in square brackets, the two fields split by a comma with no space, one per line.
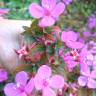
[75,54]
[20,87]
[23,51]
[45,83]
[46,12]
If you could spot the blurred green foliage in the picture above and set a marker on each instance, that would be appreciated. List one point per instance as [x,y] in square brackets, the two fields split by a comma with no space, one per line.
[18,8]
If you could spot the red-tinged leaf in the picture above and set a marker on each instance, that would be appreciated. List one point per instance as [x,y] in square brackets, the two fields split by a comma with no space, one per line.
[49,37]
[34,58]
[56,30]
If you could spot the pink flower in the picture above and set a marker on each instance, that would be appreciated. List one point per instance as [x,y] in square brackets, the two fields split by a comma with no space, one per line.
[48,13]
[70,38]
[83,54]
[87,78]
[92,22]
[3,75]
[20,87]
[3,11]
[22,52]
[88,56]
[71,60]
[46,82]
[87,34]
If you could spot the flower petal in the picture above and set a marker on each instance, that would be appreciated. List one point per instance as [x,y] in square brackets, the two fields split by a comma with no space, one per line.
[3,75]
[36,11]
[67,2]
[85,70]
[58,10]
[44,71]
[49,4]
[30,86]
[68,36]
[93,74]
[82,80]
[68,57]
[83,53]
[10,90]
[75,45]
[91,83]
[90,57]
[46,21]
[87,34]
[57,81]
[22,94]
[21,78]
[38,82]
[48,92]
[71,64]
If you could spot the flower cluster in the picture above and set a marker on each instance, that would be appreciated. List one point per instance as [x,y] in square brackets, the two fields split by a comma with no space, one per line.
[88,66]
[70,53]
[43,81]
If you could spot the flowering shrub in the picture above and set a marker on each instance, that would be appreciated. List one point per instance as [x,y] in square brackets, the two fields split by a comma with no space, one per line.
[59,56]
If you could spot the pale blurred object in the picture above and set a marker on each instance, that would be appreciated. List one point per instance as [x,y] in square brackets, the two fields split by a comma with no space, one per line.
[10,40]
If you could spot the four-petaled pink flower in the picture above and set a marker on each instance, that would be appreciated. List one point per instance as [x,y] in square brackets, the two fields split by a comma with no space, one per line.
[48,13]
[70,38]
[87,78]
[46,82]
[22,52]
[20,87]
[3,75]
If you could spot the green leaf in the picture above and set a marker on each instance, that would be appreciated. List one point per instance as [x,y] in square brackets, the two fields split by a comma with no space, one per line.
[94,93]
